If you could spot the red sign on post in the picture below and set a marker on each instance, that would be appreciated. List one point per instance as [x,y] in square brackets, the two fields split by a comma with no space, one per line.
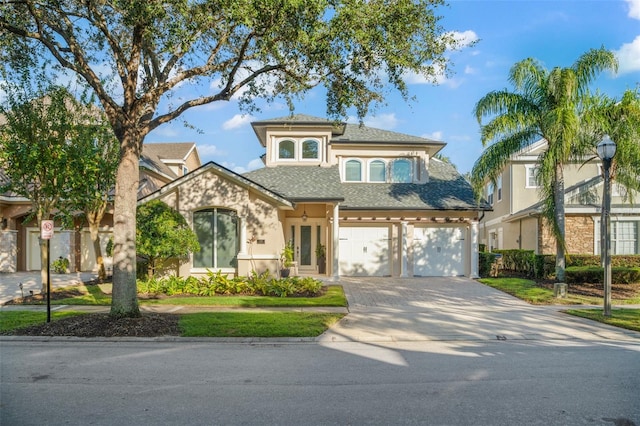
[46,229]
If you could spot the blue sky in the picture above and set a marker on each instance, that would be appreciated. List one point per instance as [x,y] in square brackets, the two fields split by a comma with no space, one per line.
[554,32]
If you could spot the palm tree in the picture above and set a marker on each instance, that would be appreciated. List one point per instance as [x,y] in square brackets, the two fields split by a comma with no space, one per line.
[545,104]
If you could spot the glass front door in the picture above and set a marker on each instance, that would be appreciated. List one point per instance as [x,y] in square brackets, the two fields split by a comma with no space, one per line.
[305,237]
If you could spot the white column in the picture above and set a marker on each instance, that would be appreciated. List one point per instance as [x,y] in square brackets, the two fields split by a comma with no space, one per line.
[404,251]
[243,235]
[336,243]
[474,231]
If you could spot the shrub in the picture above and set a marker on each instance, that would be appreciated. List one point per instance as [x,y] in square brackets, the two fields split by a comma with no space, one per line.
[518,260]
[544,266]
[486,260]
[595,275]
[60,265]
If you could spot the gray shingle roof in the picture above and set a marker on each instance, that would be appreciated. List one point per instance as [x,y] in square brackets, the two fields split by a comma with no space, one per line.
[297,119]
[356,133]
[169,150]
[299,183]
[446,190]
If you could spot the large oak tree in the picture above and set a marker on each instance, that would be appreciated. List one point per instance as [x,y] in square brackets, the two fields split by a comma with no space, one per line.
[134,54]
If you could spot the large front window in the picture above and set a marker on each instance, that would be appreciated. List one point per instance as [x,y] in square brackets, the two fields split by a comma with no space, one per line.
[624,237]
[217,232]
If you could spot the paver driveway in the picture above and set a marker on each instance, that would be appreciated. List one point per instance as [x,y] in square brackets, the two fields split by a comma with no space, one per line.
[414,309]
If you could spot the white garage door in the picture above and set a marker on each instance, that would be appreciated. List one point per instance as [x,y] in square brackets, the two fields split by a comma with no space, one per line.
[364,251]
[57,245]
[438,252]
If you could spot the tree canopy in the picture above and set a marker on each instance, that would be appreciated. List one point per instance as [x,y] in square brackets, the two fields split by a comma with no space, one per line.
[163,234]
[135,54]
[546,104]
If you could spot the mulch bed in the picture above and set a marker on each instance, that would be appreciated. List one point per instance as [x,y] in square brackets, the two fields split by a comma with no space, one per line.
[104,325]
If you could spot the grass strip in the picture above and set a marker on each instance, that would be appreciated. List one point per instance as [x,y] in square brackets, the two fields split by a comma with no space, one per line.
[624,318]
[256,324]
[528,291]
[11,320]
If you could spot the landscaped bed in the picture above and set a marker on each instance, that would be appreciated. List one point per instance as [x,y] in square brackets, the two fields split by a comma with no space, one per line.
[210,324]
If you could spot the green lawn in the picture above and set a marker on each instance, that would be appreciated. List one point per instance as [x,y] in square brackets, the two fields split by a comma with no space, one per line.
[624,318]
[10,320]
[256,324]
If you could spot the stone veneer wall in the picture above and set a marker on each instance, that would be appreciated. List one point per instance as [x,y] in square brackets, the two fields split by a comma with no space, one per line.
[579,235]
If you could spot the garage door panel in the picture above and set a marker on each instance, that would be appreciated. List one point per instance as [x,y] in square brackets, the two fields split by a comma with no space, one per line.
[438,251]
[364,251]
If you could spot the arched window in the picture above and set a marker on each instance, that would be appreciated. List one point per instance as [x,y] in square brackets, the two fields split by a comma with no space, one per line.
[377,171]
[353,171]
[287,149]
[309,150]
[217,232]
[401,171]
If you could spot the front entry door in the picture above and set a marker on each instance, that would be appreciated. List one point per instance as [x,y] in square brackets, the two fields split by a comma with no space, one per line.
[305,239]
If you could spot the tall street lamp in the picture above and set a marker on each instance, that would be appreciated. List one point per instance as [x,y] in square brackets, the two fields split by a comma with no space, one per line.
[606,151]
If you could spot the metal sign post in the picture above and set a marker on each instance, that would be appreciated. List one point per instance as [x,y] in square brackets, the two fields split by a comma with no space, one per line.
[46,233]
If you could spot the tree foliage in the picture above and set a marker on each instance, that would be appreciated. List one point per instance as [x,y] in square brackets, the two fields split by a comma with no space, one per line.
[545,104]
[135,54]
[163,234]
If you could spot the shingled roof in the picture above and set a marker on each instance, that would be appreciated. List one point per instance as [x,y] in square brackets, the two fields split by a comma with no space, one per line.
[300,183]
[446,190]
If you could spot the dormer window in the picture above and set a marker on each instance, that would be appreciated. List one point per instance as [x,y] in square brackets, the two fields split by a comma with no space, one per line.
[353,171]
[377,171]
[310,150]
[401,171]
[286,150]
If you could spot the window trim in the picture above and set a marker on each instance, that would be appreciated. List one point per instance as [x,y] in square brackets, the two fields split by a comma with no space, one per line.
[385,167]
[490,193]
[214,210]
[281,141]
[529,173]
[354,160]
[399,160]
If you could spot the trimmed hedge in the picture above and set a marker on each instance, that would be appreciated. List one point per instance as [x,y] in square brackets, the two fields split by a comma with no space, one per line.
[595,275]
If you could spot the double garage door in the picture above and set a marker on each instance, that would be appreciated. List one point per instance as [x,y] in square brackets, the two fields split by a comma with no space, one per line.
[437,251]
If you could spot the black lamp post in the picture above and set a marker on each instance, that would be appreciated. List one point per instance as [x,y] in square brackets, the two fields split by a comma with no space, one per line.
[606,151]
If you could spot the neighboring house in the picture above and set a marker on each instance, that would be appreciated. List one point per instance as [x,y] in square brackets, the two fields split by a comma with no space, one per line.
[378,202]
[516,221]
[160,163]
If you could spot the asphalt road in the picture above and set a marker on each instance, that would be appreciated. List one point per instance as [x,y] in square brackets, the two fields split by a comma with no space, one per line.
[537,382]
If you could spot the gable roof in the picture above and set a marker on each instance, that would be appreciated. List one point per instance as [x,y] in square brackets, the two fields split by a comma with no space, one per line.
[226,174]
[169,150]
[342,132]
[301,183]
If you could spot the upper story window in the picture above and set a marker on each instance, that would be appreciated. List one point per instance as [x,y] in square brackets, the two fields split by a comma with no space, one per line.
[499,187]
[310,150]
[353,171]
[490,191]
[401,171]
[377,171]
[286,150]
[531,176]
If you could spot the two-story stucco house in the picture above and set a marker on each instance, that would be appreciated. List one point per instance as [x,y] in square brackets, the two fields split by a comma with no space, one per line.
[377,200]
[160,163]
[516,221]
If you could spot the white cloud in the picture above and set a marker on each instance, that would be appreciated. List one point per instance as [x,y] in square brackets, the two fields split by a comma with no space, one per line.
[469,70]
[251,165]
[166,130]
[383,121]
[237,121]
[629,56]
[464,38]
[209,150]
[436,136]
[438,78]
[634,9]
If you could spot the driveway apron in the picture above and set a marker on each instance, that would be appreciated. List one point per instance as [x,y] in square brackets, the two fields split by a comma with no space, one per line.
[441,309]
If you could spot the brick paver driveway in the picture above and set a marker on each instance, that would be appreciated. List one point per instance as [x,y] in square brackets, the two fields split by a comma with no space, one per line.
[415,309]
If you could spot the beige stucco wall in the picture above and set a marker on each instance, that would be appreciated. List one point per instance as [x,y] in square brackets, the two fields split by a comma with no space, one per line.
[260,217]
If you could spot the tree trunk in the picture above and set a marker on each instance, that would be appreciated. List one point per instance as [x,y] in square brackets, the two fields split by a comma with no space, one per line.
[94,219]
[560,223]
[124,300]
